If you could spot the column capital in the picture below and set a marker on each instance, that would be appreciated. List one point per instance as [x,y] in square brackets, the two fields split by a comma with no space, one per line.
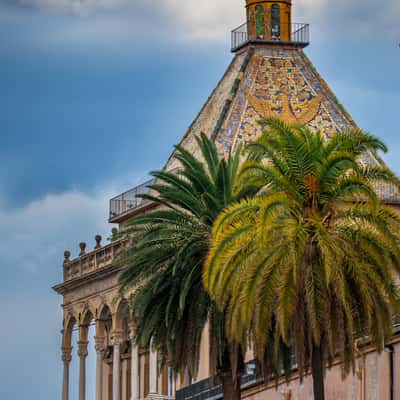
[99,344]
[132,327]
[132,335]
[83,348]
[117,337]
[66,354]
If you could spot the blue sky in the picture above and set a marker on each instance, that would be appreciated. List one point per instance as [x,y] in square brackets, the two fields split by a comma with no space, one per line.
[94,94]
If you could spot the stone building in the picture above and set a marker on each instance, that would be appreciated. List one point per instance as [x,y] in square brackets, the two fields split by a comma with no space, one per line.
[270,75]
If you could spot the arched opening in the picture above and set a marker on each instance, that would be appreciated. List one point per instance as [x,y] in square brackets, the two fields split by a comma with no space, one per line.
[260,21]
[69,326]
[69,344]
[104,324]
[104,334]
[275,22]
[87,333]
[125,349]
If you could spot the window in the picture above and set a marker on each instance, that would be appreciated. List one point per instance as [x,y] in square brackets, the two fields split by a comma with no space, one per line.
[275,22]
[260,22]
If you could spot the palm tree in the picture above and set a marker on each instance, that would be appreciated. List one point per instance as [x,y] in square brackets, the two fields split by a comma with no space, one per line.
[169,304]
[311,259]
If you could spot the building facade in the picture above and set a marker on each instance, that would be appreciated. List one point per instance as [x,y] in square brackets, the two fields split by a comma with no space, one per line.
[269,76]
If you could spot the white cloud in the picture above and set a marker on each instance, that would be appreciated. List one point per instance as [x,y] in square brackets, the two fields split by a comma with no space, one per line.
[209,19]
[37,234]
[32,241]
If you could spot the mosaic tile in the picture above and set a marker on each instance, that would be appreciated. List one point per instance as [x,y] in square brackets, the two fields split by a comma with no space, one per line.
[279,82]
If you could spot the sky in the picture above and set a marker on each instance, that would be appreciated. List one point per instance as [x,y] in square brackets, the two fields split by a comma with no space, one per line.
[93,96]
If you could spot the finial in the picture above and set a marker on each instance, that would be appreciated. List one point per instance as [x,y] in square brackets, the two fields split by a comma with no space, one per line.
[67,255]
[98,241]
[82,246]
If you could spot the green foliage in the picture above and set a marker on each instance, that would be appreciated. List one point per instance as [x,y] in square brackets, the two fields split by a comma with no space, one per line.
[310,261]
[169,304]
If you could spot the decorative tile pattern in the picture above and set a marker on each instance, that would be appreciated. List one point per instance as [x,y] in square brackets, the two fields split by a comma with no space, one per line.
[281,83]
[270,81]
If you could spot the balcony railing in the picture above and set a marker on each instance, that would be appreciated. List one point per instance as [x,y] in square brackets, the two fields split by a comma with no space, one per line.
[208,389]
[95,260]
[299,35]
[129,201]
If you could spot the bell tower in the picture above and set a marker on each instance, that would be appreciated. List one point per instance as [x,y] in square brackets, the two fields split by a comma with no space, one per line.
[269,20]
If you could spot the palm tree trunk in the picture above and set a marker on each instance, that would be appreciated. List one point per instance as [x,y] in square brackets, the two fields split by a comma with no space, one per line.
[230,387]
[318,373]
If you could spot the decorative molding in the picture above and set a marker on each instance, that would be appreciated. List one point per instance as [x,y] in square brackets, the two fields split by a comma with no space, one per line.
[287,114]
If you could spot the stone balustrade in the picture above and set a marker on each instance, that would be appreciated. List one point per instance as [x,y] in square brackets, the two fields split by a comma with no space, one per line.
[88,262]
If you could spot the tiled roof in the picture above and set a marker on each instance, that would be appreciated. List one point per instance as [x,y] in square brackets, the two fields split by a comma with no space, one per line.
[270,81]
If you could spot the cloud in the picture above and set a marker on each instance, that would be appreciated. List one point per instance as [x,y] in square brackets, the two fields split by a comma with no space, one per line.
[358,17]
[32,241]
[33,238]
[78,7]
[188,20]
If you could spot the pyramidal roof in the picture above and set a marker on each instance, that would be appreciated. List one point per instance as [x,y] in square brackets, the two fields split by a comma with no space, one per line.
[266,80]
[270,76]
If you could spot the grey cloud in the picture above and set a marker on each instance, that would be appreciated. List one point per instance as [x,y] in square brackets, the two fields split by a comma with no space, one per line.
[358,16]
[214,19]
[79,7]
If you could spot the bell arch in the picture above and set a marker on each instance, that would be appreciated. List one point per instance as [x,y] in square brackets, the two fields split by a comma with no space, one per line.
[260,21]
[275,22]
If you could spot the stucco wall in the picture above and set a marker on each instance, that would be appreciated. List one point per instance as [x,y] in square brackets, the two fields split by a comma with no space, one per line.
[371,381]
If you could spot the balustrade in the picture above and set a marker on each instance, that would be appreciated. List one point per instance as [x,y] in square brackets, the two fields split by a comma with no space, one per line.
[86,263]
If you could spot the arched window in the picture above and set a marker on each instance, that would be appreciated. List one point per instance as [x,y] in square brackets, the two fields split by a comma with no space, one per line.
[260,22]
[275,22]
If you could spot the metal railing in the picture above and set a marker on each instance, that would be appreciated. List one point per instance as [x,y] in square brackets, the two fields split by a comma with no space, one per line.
[299,34]
[208,389]
[239,36]
[129,200]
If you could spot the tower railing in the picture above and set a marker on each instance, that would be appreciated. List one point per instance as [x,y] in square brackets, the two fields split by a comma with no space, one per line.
[299,35]
[239,36]
[129,201]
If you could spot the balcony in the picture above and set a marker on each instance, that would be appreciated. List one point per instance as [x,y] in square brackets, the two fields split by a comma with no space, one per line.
[98,261]
[124,204]
[299,36]
[210,390]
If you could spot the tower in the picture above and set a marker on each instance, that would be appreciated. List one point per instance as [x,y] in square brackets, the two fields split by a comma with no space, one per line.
[269,76]
[269,20]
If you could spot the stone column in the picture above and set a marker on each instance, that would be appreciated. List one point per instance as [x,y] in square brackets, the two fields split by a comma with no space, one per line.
[66,358]
[99,366]
[82,353]
[384,378]
[134,370]
[153,372]
[396,367]
[124,382]
[117,340]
